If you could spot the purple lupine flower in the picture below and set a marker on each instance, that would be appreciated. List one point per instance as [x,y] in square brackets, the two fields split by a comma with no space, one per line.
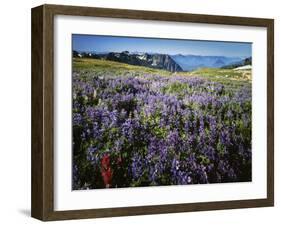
[198,133]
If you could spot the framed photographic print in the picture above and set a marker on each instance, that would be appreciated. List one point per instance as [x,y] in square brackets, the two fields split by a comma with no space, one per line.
[141,112]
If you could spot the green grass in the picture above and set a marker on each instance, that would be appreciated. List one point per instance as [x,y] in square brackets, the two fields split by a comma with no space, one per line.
[233,79]
[224,73]
[112,67]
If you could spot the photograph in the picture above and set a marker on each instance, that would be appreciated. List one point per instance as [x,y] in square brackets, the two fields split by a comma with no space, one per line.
[152,111]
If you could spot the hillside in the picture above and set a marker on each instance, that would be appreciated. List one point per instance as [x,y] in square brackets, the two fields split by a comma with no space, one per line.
[130,119]
[230,77]
[157,61]
[105,67]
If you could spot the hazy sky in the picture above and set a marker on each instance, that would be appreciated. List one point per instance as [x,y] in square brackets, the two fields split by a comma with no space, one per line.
[99,43]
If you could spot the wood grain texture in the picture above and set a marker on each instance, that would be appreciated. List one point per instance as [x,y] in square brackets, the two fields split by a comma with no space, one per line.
[42,113]
[43,107]
[37,159]
[152,15]
[270,111]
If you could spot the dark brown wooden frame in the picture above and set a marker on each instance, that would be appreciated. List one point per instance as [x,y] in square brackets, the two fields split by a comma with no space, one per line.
[42,202]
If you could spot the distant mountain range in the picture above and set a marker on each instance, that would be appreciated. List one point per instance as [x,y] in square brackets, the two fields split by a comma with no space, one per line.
[168,62]
[244,62]
[193,62]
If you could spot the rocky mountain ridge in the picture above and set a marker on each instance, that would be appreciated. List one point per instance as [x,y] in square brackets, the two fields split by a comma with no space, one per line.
[173,63]
[158,61]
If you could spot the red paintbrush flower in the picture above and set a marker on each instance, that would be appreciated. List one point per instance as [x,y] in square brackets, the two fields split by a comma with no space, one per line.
[105,162]
[106,171]
[107,177]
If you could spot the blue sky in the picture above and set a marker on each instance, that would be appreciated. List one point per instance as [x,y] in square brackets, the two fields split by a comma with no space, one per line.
[99,43]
